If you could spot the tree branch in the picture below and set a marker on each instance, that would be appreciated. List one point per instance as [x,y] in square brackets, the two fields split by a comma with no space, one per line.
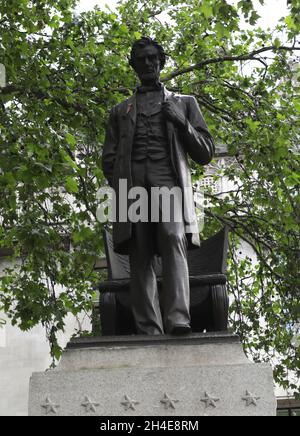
[245,57]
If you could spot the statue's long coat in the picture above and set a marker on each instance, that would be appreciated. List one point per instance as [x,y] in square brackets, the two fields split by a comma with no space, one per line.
[116,158]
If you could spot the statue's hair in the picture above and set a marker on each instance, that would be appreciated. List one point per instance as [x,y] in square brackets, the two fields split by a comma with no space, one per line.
[143,42]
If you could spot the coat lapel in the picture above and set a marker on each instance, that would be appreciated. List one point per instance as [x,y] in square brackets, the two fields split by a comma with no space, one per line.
[170,131]
[128,124]
[130,109]
[168,95]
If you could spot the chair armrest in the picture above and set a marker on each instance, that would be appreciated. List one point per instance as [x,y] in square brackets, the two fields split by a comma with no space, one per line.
[208,279]
[122,285]
[114,285]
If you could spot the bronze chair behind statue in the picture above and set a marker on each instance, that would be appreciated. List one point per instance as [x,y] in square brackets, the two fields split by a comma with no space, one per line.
[209,298]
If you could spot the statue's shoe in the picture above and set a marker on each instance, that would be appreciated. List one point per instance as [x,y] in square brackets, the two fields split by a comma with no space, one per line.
[181,329]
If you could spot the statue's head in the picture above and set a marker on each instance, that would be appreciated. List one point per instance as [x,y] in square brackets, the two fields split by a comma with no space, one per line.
[147,59]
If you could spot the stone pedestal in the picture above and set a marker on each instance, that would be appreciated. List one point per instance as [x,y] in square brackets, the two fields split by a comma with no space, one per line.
[195,375]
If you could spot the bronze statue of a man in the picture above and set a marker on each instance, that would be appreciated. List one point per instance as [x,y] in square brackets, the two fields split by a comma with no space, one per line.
[148,138]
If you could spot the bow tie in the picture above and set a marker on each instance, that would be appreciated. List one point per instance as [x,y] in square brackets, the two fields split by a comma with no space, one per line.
[154,87]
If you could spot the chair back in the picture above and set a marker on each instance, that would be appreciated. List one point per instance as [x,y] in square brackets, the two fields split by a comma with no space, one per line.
[209,258]
[118,266]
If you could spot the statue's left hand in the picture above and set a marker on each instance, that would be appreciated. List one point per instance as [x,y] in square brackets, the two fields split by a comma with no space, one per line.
[173,113]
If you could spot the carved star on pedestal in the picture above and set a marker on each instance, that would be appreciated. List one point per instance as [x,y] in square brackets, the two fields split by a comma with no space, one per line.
[250,399]
[209,400]
[129,403]
[168,402]
[90,406]
[50,407]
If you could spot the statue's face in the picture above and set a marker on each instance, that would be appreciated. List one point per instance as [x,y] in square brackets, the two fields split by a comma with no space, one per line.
[147,63]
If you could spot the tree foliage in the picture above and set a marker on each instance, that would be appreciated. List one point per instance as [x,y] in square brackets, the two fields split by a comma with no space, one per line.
[64,72]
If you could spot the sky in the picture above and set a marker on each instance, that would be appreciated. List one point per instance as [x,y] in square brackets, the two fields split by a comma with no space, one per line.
[270,13]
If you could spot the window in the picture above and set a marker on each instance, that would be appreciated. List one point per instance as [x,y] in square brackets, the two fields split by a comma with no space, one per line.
[210,182]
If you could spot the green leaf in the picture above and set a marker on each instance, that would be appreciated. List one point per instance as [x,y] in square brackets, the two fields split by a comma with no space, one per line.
[277,42]
[71,140]
[289,21]
[69,160]
[207,9]
[137,35]
[253,18]
[297,104]
[72,185]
